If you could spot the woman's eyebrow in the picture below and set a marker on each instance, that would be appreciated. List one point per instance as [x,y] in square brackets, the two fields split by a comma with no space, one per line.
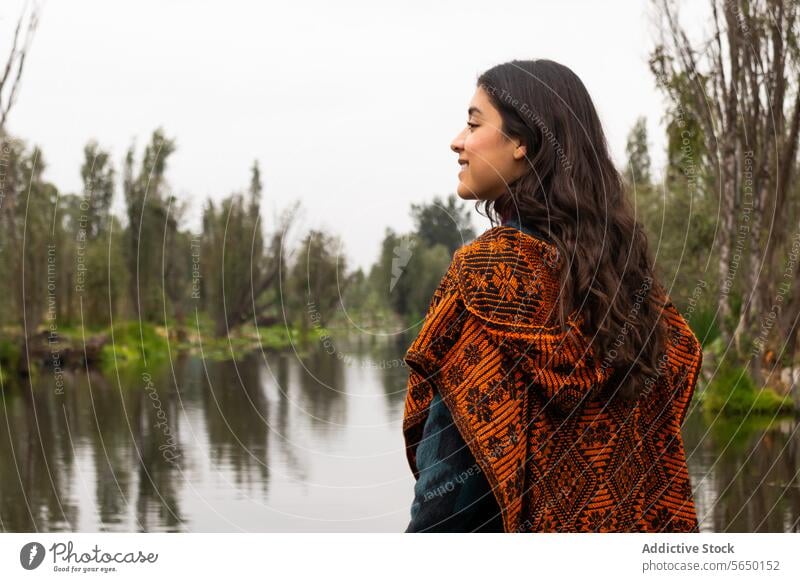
[473,110]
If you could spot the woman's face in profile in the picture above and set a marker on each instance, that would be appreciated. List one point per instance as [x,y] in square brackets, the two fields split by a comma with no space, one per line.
[488,159]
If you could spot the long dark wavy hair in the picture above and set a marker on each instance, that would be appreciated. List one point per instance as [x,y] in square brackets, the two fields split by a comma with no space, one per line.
[575,196]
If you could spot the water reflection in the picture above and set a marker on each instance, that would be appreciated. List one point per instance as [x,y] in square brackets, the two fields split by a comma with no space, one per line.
[744,472]
[275,442]
[290,442]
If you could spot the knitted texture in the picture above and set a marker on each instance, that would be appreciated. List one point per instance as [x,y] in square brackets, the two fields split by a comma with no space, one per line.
[560,452]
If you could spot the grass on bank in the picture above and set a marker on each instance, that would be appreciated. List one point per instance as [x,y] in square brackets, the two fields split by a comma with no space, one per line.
[131,344]
[732,392]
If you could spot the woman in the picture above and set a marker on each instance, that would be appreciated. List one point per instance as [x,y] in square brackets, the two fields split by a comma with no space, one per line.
[550,379]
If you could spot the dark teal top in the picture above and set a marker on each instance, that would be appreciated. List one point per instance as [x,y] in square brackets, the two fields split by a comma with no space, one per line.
[452,493]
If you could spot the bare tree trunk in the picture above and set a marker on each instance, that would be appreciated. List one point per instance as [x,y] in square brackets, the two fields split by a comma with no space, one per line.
[12,73]
[727,272]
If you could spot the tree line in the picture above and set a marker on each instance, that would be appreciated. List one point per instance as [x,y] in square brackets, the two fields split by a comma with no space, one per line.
[67,258]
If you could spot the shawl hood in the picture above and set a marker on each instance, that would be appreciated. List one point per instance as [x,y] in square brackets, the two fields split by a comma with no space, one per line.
[510,282]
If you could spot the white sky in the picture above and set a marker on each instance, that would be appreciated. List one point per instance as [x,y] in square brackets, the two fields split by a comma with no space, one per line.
[349,107]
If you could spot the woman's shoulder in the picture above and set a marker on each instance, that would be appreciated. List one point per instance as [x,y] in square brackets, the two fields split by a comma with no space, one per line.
[504,241]
[509,246]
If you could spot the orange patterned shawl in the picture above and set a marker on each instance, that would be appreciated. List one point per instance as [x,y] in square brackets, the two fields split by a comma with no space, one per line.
[559,453]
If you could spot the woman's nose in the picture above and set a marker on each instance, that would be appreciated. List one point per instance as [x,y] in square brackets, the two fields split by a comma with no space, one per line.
[458,143]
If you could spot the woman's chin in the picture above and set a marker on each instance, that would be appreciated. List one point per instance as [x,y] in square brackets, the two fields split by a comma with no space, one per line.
[465,192]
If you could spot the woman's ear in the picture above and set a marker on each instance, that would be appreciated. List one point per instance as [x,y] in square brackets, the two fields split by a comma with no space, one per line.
[520,151]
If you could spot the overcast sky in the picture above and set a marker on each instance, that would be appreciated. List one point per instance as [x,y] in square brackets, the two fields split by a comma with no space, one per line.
[349,107]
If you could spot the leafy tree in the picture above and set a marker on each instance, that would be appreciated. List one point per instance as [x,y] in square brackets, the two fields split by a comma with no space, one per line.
[638,170]
[238,269]
[149,225]
[316,280]
[28,236]
[97,175]
[445,222]
[407,272]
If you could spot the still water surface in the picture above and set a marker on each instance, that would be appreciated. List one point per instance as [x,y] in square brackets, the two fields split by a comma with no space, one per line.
[280,442]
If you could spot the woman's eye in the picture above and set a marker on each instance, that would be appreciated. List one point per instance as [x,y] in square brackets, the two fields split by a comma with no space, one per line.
[472,125]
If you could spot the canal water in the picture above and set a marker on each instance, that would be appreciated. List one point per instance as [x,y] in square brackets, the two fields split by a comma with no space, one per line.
[290,442]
